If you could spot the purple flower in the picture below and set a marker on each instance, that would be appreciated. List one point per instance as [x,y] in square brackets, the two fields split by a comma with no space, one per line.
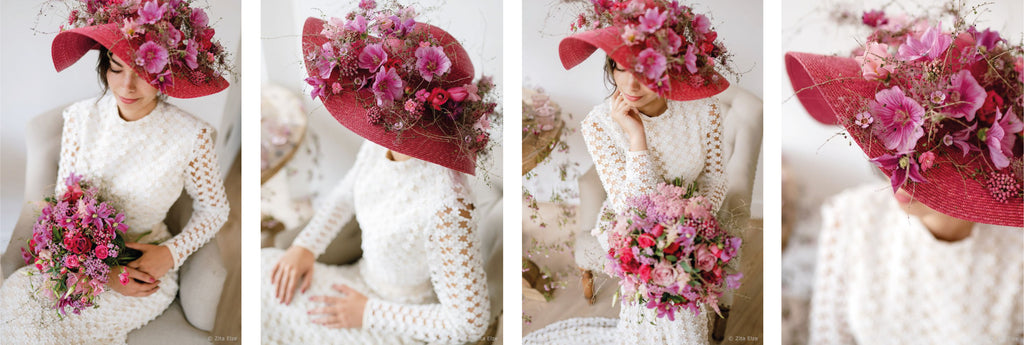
[960,139]
[118,225]
[190,54]
[966,96]
[319,87]
[690,59]
[1000,145]
[358,24]
[874,18]
[402,26]
[732,247]
[387,86]
[733,281]
[701,24]
[199,18]
[325,63]
[651,21]
[151,12]
[651,63]
[930,45]
[163,81]
[900,118]
[431,61]
[152,57]
[902,166]
[372,57]
[987,38]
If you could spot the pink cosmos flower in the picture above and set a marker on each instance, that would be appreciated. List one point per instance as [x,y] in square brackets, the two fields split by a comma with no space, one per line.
[1000,145]
[690,59]
[966,96]
[336,87]
[631,35]
[864,120]
[702,24]
[651,63]
[151,12]
[334,28]
[387,86]
[652,20]
[318,87]
[874,18]
[357,24]
[987,38]
[927,160]
[929,46]
[872,64]
[372,57]
[130,28]
[674,41]
[199,18]
[431,61]
[152,57]
[902,167]
[324,64]
[900,118]
[191,54]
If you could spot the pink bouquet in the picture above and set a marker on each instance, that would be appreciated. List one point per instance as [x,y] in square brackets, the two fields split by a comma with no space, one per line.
[75,241]
[670,252]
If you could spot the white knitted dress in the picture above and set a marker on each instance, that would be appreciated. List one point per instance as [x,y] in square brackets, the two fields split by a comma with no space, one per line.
[883,278]
[142,166]
[683,142]
[421,267]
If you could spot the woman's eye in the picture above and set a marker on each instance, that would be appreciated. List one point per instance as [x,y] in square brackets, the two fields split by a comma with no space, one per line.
[115,70]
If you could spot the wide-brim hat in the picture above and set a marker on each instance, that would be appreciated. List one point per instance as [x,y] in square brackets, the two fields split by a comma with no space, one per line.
[70,45]
[574,49]
[833,91]
[432,143]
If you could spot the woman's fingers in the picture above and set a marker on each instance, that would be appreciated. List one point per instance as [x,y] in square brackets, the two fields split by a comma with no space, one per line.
[307,279]
[273,277]
[290,288]
[140,275]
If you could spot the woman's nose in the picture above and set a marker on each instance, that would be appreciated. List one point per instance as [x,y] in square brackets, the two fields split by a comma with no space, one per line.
[130,80]
[633,82]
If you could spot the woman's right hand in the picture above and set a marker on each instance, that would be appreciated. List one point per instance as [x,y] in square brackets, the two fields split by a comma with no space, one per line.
[628,118]
[139,283]
[295,264]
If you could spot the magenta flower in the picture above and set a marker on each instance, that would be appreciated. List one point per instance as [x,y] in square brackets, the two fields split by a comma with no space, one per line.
[163,81]
[864,120]
[961,139]
[987,38]
[387,86]
[372,57]
[152,57]
[199,18]
[702,24]
[631,36]
[733,281]
[965,97]
[652,20]
[319,87]
[874,18]
[324,64]
[367,4]
[873,63]
[357,24]
[151,12]
[674,41]
[902,166]
[927,160]
[1000,145]
[651,63]
[690,59]
[900,118]
[431,61]
[929,46]
[191,53]
[472,90]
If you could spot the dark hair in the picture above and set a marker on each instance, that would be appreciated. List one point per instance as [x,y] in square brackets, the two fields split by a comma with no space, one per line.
[102,66]
[609,68]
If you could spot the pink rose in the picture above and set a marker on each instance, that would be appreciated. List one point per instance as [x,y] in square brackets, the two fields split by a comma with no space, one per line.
[644,273]
[645,241]
[705,259]
[71,261]
[663,274]
[657,230]
[77,244]
[101,252]
[873,63]
[458,93]
[123,277]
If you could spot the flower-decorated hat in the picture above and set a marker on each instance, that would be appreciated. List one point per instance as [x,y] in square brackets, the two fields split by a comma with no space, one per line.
[938,112]
[404,85]
[167,42]
[667,45]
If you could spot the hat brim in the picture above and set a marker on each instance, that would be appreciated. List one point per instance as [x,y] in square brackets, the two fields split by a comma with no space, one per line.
[833,91]
[69,46]
[577,48]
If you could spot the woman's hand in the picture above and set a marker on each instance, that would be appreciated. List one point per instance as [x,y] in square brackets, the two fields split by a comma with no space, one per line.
[295,264]
[138,283]
[628,117]
[155,260]
[341,312]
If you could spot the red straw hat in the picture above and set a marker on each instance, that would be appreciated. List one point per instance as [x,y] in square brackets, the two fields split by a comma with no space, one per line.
[435,141]
[834,92]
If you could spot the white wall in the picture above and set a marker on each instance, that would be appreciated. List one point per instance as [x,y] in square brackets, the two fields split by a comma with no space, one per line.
[822,161]
[30,86]
[739,26]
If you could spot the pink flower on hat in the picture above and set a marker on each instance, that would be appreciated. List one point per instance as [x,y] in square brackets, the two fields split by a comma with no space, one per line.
[874,18]
[431,61]
[151,12]
[199,18]
[152,57]
[900,118]
[873,63]
[190,54]
[387,86]
[965,96]
[652,20]
[691,59]
[929,46]
[902,166]
[701,24]
[651,63]
[372,57]
[1000,145]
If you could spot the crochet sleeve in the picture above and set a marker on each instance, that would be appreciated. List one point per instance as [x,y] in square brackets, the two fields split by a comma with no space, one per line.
[209,201]
[456,272]
[623,173]
[711,183]
[69,147]
[828,304]
[333,212]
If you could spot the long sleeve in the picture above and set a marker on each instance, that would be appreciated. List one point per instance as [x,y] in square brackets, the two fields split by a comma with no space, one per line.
[712,183]
[456,272]
[209,201]
[69,148]
[623,173]
[828,305]
[334,211]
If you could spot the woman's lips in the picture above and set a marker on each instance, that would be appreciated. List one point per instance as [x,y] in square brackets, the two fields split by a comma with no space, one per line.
[128,100]
[631,98]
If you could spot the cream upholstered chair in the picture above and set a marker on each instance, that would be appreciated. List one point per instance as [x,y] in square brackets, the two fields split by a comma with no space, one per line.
[191,316]
[742,116]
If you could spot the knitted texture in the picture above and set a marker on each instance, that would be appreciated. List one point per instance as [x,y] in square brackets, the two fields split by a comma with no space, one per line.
[882,278]
[142,167]
[421,267]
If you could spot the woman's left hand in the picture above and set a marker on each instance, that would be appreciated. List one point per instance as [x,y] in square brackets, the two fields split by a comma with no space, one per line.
[341,312]
[155,260]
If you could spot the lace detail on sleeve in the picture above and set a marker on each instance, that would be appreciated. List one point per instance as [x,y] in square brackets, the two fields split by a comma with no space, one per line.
[712,180]
[623,173]
[828,305]
[69,148]
[456,272]
[209,201]
[335,210]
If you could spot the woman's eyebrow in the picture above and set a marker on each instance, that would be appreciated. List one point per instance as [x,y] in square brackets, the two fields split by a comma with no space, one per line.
[116,63]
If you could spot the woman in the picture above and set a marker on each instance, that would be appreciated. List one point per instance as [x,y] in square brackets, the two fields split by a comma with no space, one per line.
[421,276]
[141,152]
[657,125]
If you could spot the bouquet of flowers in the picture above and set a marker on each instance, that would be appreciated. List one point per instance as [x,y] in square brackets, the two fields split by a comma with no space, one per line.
[944,94]
[670,252]
[672,40]
[407,72]
[75,241]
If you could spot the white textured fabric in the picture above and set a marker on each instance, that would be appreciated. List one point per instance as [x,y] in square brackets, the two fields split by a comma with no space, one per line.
[882,278]
[684,142]
[421,267]
[142,167]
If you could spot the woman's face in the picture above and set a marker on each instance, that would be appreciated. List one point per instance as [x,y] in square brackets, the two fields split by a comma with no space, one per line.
[136,98]
[632,88]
